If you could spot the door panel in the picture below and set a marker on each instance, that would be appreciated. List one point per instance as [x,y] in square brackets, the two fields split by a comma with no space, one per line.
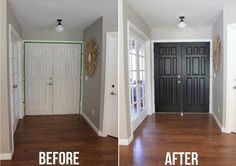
[137,69]
[66,74]
[111,81]
[38,71]
[195,77]
[181,77]
[14,82]
[167,60]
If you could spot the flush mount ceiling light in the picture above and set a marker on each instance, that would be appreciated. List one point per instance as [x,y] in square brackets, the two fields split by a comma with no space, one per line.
[59,27]
[182,24]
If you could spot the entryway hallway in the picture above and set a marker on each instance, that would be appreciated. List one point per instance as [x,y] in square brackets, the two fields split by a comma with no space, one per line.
[61,133]
[161,133]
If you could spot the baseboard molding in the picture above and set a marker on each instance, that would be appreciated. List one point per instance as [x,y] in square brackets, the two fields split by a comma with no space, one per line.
[217,121]
[99,133]
[126,141]
[6,156]
[222,128]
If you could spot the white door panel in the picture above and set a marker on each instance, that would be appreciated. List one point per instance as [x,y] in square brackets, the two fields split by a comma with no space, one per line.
[111,83]
[14,82]
[137,69]
[52,78]
[38,74]
[66,76]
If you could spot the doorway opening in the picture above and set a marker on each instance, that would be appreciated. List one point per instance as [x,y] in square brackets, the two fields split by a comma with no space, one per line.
[182,77]
[16,91]
[110,123]
[52,72]
[139,78]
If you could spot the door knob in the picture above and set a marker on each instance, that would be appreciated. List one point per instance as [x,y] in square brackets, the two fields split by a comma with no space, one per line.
[179,76]
[14,86]
[178,81]
[50,83]
[113,93]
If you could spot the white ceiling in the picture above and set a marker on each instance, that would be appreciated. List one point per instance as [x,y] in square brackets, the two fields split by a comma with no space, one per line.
[165,13]
[75,13]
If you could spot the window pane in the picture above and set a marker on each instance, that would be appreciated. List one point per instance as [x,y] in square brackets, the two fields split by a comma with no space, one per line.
[134,111]
[143,104]
[133,62]
[141,63]
[133,47]
[134,93]
[131,95]
[142,77]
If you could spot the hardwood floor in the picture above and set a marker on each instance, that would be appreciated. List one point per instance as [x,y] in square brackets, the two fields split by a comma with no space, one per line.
[163,133]
[61,133]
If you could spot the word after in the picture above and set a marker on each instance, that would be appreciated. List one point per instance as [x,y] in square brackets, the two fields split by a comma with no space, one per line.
[63,158]
[181,158]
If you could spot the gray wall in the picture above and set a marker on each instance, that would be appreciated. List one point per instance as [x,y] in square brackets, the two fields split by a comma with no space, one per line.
[217,89]
[51,34]
[11,19]
[177,34]
[6,145]
[227,16]
[110,24]
[124,119]
[92,86]
[93,89]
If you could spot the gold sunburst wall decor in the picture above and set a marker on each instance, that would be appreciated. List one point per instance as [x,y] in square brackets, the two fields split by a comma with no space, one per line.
[91,57]
[217,53]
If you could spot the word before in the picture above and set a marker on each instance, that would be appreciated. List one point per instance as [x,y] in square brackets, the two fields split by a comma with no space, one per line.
[63,158]
[181,158]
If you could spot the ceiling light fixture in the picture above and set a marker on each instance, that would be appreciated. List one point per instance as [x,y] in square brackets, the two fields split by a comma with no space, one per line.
[59,27]
[182,24]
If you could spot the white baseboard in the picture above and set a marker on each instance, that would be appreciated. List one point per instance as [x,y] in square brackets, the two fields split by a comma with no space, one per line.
[6,156]
[222,128]
[217,120]
[100,133]
[126,141]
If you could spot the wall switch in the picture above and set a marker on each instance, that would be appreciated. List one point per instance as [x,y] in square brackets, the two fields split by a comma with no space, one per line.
[93,112]
[218,108]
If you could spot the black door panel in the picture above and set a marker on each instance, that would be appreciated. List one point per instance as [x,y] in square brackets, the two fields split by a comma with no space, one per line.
[181,77]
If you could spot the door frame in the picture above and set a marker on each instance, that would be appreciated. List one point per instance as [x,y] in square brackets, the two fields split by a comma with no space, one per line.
[228,86]
[12,32]
[107,80]
[147,42]
[183,41]
[81,43]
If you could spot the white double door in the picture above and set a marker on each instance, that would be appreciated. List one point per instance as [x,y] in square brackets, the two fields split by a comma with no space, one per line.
[52,78]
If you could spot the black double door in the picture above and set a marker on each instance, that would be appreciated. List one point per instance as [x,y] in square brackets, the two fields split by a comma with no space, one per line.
[181,77]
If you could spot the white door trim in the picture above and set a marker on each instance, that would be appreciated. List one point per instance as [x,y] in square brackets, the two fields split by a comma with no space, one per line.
[146,39]
[106,90]
[181,41]
[13,33]
[229,106]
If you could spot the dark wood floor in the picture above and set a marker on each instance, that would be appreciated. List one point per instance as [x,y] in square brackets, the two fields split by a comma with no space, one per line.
[161,133]
[61,133]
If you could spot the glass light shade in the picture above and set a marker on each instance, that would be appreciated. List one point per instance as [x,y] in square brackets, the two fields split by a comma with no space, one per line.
[182,25]
[59,28]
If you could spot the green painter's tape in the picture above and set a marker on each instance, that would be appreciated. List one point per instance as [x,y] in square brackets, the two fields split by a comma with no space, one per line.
[55,42]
